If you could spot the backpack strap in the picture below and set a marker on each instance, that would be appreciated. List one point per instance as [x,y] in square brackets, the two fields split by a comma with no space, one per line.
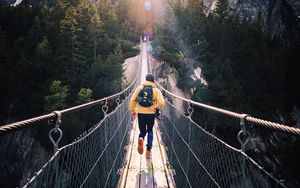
[155,91]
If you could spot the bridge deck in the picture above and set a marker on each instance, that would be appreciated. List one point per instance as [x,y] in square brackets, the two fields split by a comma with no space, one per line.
[140,172]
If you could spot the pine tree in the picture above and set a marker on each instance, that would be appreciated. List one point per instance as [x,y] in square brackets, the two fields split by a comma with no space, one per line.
[195,11]
[57,98]
[108,15]
[73,48]
[84,96]
[96,31]
[43,59]
[258,25]
[222,10]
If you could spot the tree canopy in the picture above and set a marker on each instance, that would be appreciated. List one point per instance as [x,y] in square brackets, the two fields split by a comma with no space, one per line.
[77,46]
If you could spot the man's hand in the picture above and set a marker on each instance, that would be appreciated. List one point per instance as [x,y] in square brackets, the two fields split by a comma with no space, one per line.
[157,114]
[133,116]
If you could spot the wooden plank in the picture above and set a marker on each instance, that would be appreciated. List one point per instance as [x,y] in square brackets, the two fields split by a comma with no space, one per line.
[128,156]
[132,180]
[140,172]
[146,173]
[159,164]
[164,159]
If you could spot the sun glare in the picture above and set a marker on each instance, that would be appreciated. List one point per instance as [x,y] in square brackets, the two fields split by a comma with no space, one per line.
[145,14]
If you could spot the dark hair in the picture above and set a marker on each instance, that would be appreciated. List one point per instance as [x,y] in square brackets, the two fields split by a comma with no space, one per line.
[150,77]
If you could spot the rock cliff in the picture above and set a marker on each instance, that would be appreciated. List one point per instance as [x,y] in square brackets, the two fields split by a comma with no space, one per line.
[280,16]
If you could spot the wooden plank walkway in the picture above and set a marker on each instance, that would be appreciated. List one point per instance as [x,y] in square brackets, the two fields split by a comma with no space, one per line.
[140,172]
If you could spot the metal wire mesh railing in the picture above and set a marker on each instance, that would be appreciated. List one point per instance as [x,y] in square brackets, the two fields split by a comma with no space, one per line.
[93,159]
[199,158]
[25,123]
[56,170]
[260,122]
[202,160]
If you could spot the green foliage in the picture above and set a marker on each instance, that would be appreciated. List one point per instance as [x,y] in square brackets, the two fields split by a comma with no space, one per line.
[84,95]
[57,98]
[103,74]
[222,10]
[239,59]
[246,68]
[65,41]
[164,49]
[43,50]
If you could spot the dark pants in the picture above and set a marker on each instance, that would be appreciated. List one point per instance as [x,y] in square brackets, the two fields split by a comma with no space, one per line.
[146,122]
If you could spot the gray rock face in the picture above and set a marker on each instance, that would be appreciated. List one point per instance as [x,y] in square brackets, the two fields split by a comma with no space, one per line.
[251,7]
[277,14]
[30,2]
[21,155]
[295,4]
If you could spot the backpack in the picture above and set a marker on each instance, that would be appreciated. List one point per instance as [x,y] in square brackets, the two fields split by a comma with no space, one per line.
[145,97]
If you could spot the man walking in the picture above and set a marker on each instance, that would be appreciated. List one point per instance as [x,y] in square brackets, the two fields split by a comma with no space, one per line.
[146,102]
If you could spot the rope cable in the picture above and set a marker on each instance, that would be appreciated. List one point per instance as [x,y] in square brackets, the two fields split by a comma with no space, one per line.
[212,163]
[268,124]
[21,124]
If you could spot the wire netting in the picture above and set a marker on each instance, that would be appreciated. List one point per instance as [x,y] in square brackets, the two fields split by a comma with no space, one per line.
[200,159]
[93,160]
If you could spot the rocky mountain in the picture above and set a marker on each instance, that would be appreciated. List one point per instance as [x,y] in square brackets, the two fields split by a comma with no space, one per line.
[251,7]
[30,2]
[281,16]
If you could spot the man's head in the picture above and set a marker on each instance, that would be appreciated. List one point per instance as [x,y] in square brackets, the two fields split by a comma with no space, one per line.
[150,77]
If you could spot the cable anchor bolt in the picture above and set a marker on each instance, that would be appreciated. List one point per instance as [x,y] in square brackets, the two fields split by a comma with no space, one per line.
[56,130]
[105,107]
[190,110]
[243,135]
[118,100]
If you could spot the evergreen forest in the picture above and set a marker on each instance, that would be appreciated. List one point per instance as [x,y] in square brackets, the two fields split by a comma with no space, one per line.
[57,56]
[52,57]
[69,52]
[247,68]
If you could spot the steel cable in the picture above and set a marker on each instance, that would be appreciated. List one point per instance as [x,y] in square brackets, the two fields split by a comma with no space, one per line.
[268,124]
[21,124]
[82,163]
[212,162]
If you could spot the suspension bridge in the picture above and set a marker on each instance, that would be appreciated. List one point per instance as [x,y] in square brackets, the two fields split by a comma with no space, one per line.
[184,154]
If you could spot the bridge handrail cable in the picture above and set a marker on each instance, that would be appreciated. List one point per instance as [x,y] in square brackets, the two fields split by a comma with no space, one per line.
[277,126]
[20,124]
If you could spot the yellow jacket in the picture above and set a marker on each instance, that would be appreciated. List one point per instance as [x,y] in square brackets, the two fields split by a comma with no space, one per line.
[158,100]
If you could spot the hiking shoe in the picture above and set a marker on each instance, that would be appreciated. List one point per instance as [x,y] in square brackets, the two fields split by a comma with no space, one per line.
[148,154]
[141,146]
